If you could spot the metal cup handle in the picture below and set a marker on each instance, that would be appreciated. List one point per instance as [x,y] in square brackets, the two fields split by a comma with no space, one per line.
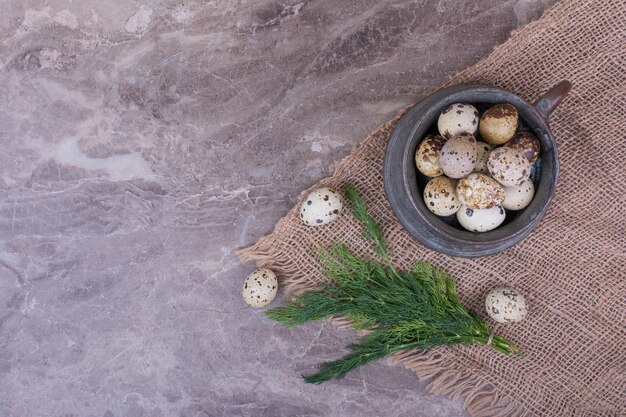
[552,98]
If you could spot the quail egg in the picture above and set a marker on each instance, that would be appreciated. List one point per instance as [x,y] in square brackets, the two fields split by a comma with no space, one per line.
[458,155]
[427,155]
[480,220]
[508,166]
[478,191]
[321,206]
[506,305]
[519,196]
[498,124]
[457,118]
[527,143]
[260,287]
[440,196]
[483,149]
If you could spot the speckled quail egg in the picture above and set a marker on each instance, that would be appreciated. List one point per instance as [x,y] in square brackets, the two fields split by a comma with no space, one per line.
[482,149]
[260,287]
[506,305]
[427,155]
[498,124]
[458,155]
[457,118]
[480,220]
[440,196]
[321,206]
[527,143]
[508,166]
[519,196]
[478,191]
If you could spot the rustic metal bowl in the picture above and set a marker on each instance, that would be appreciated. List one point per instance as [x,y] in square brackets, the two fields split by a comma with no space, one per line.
[404,184]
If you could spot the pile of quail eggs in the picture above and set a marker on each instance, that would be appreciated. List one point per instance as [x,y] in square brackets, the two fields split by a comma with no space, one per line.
[479,166]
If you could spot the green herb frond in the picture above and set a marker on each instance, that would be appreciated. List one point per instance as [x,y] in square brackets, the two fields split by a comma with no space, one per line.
[416,309]
[361,321]
[372,232]
[360,355]
[310,306]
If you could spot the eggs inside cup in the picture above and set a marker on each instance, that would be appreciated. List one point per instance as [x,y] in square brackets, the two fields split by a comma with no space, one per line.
[495,167]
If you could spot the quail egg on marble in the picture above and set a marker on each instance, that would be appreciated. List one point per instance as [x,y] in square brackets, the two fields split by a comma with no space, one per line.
[482,149]
[427,155]
[260,287]
[519,196]
[508,166]
[527,143]
[458,155]
[480,220]
[440,196]
[479,191]
[457,118]
[506,305]
[498,124]
[321,206]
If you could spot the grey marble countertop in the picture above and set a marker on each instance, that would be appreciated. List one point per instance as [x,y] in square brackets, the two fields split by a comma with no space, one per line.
[143,142]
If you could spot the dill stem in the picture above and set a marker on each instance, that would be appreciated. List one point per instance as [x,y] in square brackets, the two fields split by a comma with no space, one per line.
[388,260]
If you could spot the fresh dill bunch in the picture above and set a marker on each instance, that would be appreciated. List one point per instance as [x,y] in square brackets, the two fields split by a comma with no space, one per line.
[416,309]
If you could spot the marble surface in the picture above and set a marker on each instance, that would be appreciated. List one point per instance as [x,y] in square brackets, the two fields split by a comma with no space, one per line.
[143,142]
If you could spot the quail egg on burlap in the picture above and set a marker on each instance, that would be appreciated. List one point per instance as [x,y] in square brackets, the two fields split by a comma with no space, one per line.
[519,196]
[508,166]
[498,124]
[321,206]
[427,155]
[482,150]
[457,118]
[440,196]
[260,287]
[480,220]
[458,155]
[506,305]
[478,191]
[527,143]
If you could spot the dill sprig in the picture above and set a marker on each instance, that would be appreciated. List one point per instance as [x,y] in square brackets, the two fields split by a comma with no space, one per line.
[416,309]
[373,232]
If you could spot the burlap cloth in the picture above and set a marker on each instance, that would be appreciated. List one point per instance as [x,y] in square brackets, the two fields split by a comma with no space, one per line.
[571,268]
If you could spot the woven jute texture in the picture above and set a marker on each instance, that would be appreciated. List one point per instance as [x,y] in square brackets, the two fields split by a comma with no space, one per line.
[572,268]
